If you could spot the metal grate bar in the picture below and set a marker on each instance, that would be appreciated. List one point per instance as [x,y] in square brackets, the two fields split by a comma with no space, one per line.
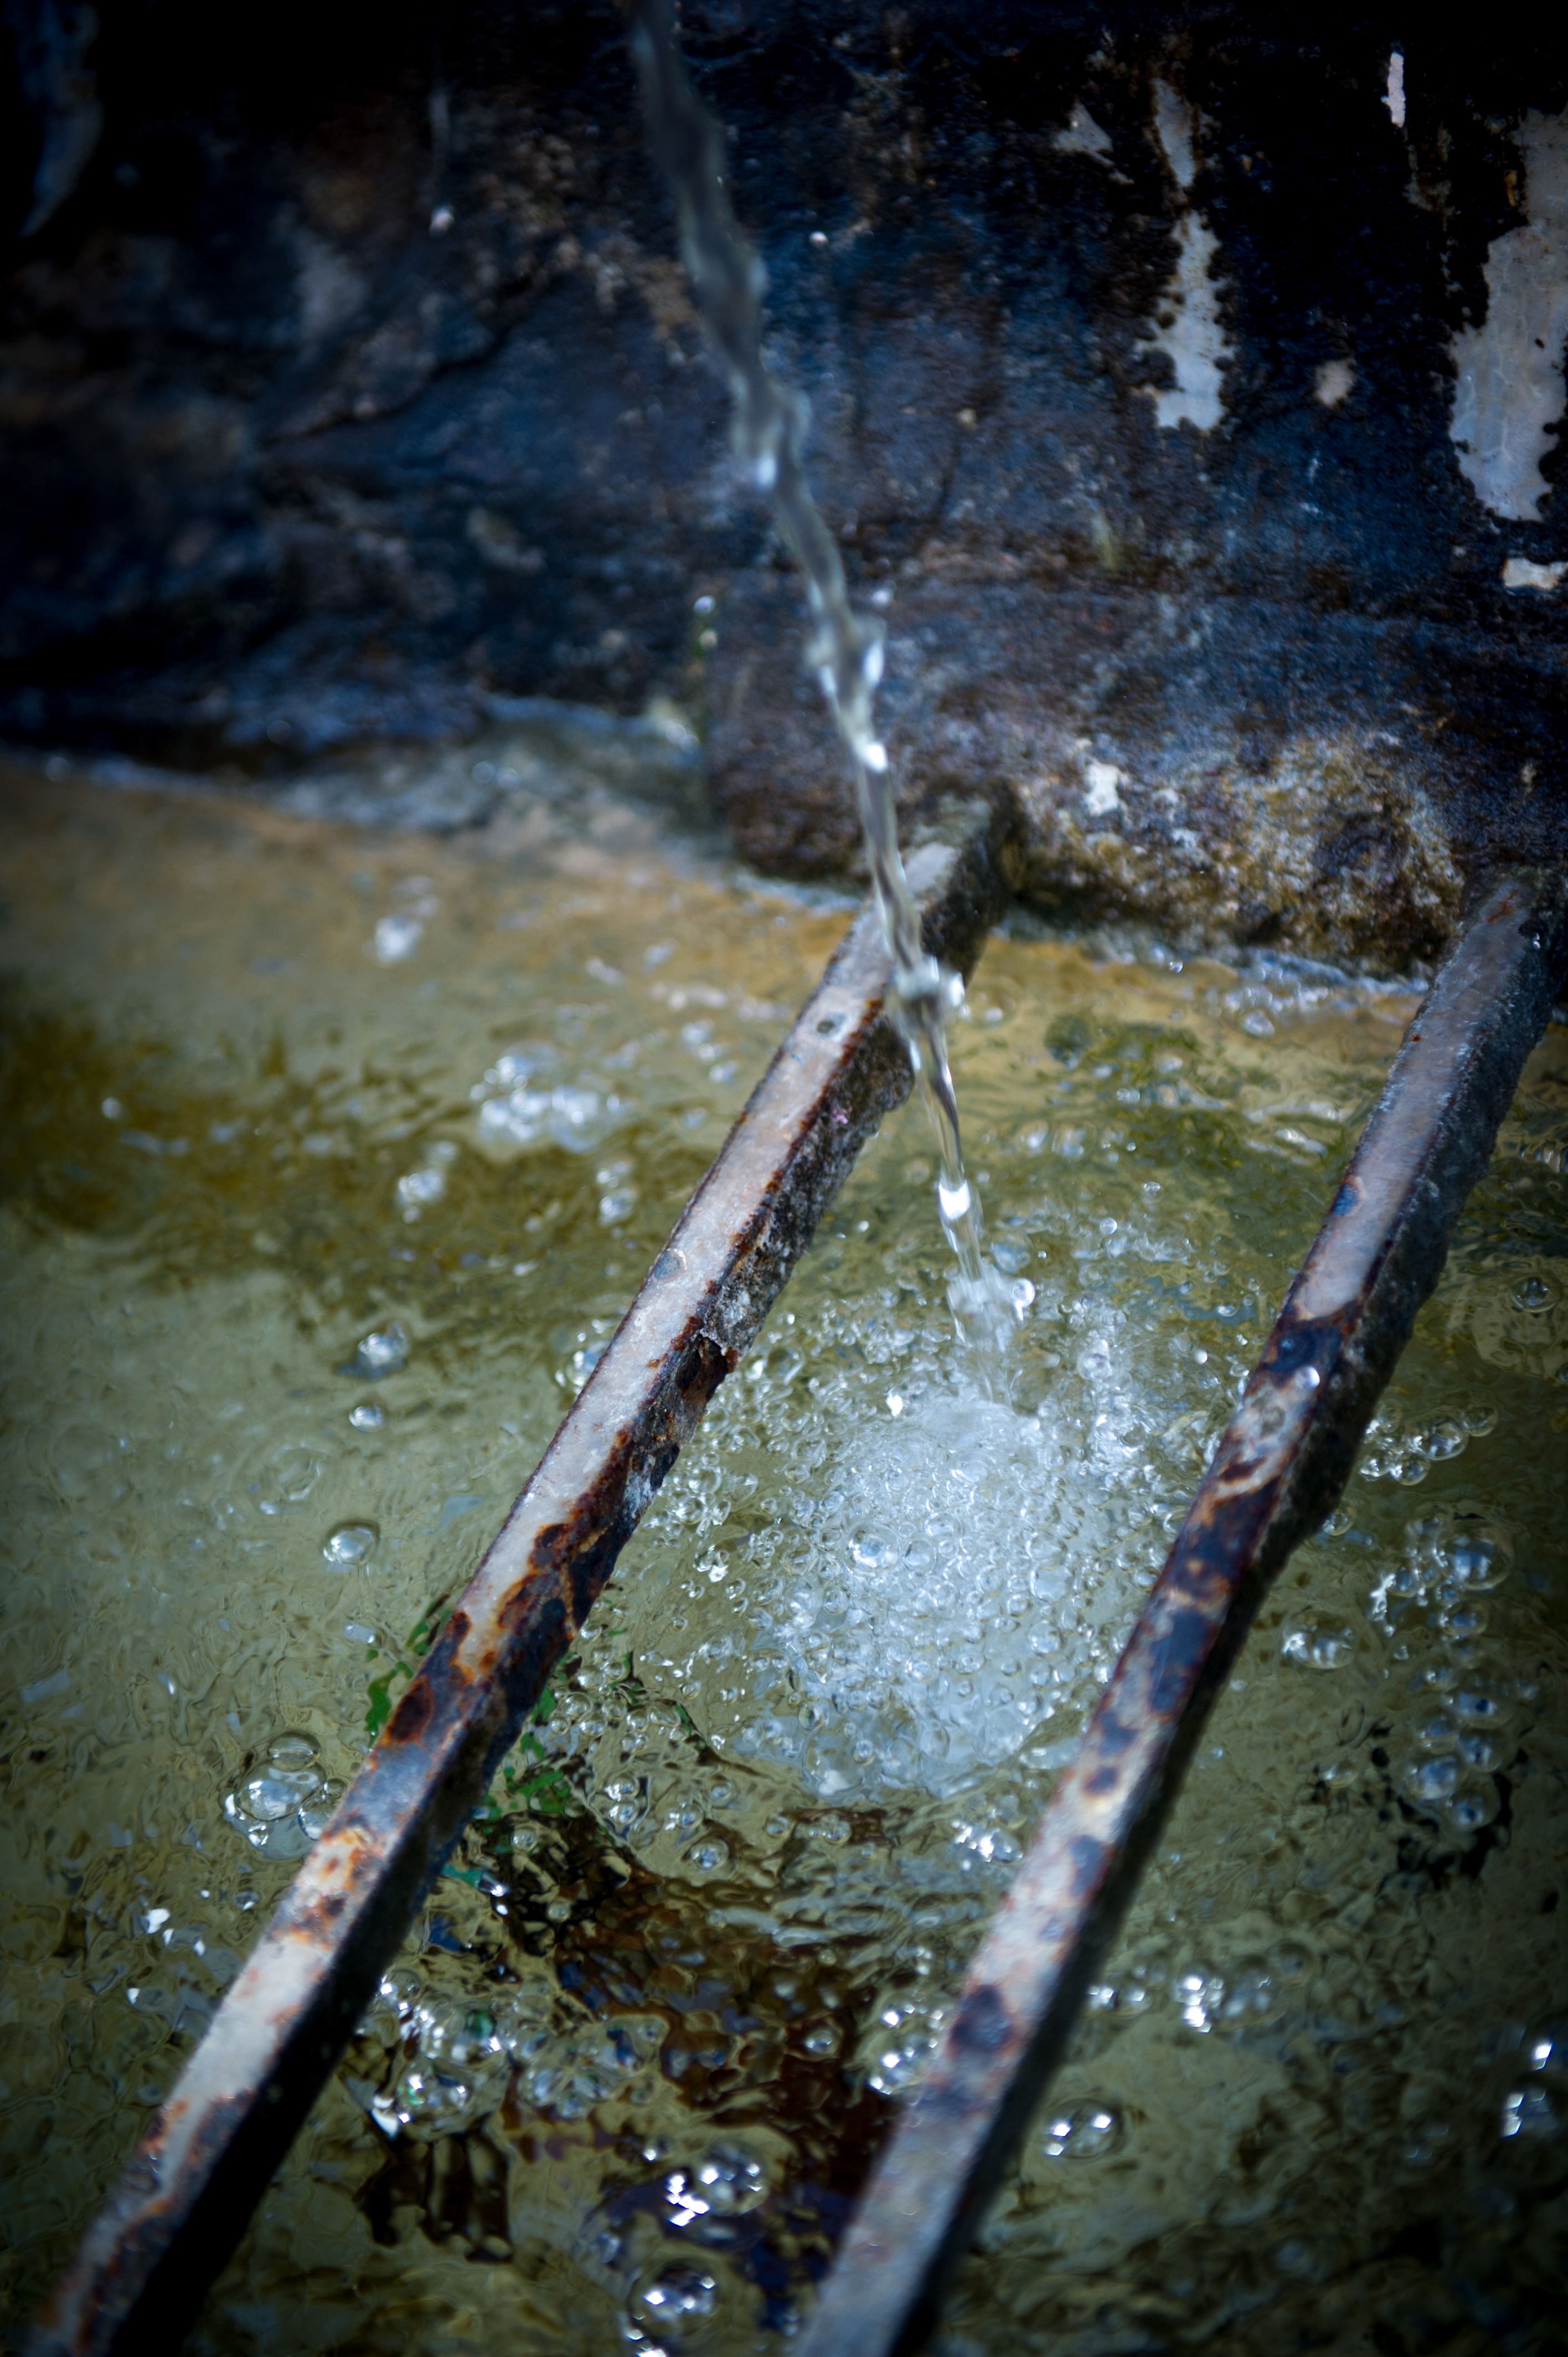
[1279,1469]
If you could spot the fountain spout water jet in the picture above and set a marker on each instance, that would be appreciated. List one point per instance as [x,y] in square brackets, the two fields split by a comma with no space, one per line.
[845,648]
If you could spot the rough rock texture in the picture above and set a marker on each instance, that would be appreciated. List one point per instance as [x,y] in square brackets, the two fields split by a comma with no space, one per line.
[350,384]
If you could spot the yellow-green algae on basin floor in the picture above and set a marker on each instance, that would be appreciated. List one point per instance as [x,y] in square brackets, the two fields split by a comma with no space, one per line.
[330,1159]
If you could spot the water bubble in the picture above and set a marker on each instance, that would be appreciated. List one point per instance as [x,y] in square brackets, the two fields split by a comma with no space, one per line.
[316,1812]
[1479,1421]
[416,1190]
[1198,1994]
[1083,2133]
[730,2180]
[292,1473]
[274,1797]
[1251,1996]
[1477,1707]
[349,1543]
[666,2310]
[1535,1295]
[1473,1806]
[1442,1440]
[1427,2142]
[1481,1553]
[1463,1621]
[274,1809]
[383,1352]
[1318,1645]
[1428,1535]
[1433,1779]
[369,1417]
[1530,2112]
[397,938]
[708,1855]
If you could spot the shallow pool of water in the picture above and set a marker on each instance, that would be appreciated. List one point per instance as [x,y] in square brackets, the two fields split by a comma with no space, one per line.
[330,1161]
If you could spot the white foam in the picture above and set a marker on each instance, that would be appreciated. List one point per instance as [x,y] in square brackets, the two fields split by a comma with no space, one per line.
[959,1575]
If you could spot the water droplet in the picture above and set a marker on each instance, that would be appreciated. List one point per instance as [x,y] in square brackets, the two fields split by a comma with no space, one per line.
[351,1543]
[1535,1295]
[385,1352]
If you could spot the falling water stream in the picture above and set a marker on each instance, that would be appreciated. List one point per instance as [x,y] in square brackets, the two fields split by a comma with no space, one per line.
[846,648]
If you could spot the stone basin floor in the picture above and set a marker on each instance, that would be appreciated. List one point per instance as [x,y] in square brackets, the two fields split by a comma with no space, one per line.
[330,1157]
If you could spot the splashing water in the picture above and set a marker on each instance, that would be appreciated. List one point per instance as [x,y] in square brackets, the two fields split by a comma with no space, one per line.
[846,648]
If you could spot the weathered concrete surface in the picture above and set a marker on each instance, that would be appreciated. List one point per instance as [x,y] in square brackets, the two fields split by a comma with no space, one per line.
[290,472]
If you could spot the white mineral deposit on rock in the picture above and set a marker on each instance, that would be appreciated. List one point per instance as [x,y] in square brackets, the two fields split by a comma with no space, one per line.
[1187,327]
[1508,388]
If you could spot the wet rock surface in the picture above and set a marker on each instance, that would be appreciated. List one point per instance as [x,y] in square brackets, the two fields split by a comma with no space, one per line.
[352,390]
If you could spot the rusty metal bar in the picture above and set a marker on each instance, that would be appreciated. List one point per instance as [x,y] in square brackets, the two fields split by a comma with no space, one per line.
[183,2201]
[1279,1469]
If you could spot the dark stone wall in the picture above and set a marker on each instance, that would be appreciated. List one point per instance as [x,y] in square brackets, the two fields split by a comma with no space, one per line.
[289,469]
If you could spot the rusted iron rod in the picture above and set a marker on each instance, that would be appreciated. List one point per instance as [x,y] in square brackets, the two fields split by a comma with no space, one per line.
[183,2201]
[1279,1469]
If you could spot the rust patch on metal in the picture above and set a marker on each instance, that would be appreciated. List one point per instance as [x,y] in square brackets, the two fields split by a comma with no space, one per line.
[981,2024]
[1277,1472]
[413,1713]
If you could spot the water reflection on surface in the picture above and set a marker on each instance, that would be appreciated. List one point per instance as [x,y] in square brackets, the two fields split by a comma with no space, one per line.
[330,1162]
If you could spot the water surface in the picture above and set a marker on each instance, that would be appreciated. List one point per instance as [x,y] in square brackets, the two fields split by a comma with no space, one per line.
[330,1159]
